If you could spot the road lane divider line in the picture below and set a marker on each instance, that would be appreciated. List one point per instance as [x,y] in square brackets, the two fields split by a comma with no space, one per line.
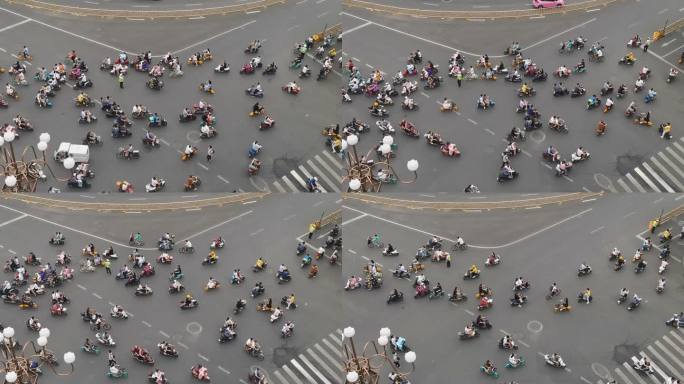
[96,295]
[164,334]
[148,325]
[201,356]
[13,220]
[15,25]
[182,345]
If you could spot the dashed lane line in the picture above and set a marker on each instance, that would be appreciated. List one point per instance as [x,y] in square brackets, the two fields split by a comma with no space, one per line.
[148,325]
[227,372]
[182,345]
[201,356]
[164,334]
[96,295]
[13,220]
[15,25]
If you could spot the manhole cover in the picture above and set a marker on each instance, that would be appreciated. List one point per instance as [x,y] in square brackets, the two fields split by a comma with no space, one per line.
[626,163]
[623,352]
[283,165]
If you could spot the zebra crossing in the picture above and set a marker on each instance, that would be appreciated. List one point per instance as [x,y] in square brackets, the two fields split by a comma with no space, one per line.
[666,356]
[319,364]
[324,166]
[663,173]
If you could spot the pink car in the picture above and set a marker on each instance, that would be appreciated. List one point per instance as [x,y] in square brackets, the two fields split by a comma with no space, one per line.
[547,3]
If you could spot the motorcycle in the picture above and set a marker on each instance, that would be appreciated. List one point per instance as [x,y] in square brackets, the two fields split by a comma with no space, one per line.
[464,336]
[633,305]
[160,185]
[556,364]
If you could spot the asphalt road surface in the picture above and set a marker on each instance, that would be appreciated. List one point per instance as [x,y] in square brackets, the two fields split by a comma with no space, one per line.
[295,141]
[542,245]
[375,41]
[267,228]
[145,5]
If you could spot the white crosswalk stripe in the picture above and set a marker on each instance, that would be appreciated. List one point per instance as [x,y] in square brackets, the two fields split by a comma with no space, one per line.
[321,364]
[663,172]
[666,356]
[326,167]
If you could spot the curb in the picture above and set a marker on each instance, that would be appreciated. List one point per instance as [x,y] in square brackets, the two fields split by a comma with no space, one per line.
[254,6]
[466,206]
[141,207]
[490,15]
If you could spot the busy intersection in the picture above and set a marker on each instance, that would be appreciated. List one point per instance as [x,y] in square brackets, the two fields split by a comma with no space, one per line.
[293,143]
[541,244]
[250,230]
[377,41]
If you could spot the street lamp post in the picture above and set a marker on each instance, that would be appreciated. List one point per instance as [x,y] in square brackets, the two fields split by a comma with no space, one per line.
[361,173]
[25,369]
[22,175]
[366,367]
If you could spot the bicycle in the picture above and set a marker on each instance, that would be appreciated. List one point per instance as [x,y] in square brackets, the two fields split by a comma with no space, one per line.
[459,247]
[186,250]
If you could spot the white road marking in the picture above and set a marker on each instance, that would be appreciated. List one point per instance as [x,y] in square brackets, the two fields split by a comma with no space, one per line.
[15,25]
[354,219]
[301,2]
[182,345]
[353,252]
[663,11]
[164,334]
[251,12]
[592,10]
[91,2]
[661,58]
[81,287]
[471,313]
[192,209]
[559,34]
[201,356]
[196,18]
[203,166]
[11,251]
[223,179]
[293,27]
[227,372]
[596,230]
[13,220]
[96,295]
[355,29]
[322,14]
[490,131]
[526,237]
[87,196]
[369,66]
[673,51]
[148,325]
[67,32]
[215,36]
[3,49]
[665,44]
[472,121]
[432,4]
[134,19]
[164,141]
[258,231]
[219,224]
[538,17]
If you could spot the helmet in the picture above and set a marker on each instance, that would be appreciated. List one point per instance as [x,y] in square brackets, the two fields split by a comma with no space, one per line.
[188,297]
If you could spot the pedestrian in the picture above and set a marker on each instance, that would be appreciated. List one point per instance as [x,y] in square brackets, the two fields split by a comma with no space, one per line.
[448,260]
[312,229]
[121,79]
[653,224]
[210,153]
[108,266]
[395,359]
[459,77]
[111,358]
[646,44]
